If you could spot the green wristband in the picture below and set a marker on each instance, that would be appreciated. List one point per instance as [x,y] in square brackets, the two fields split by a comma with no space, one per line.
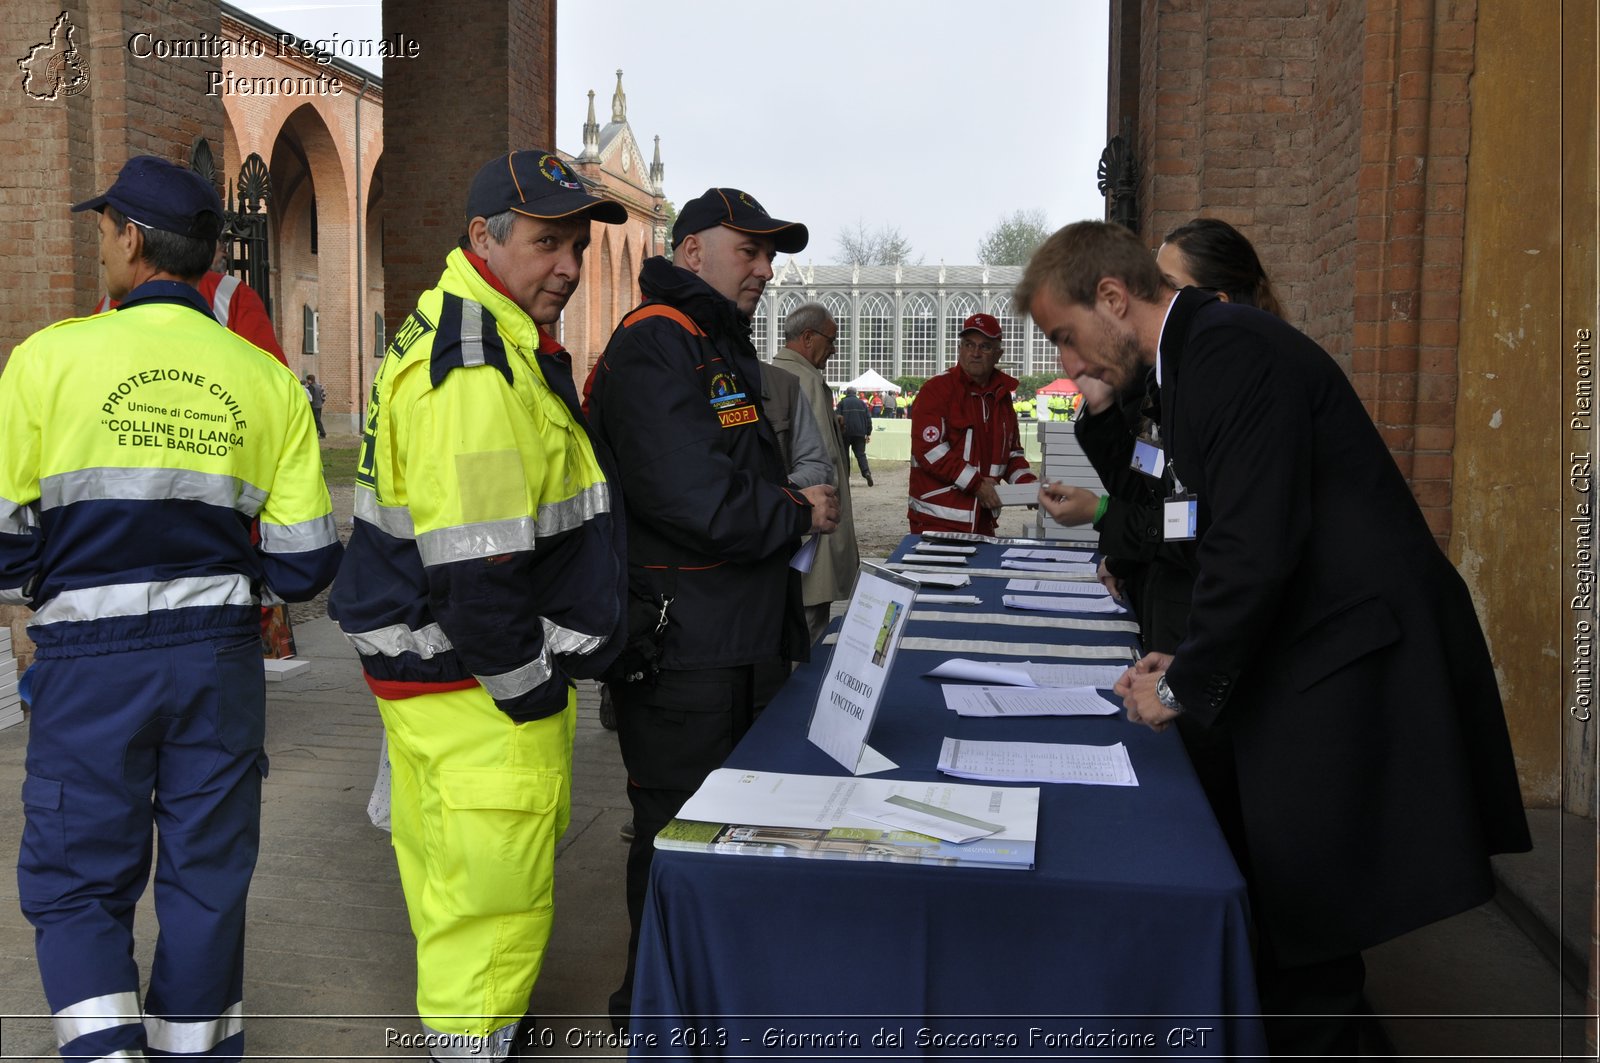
[1100,509]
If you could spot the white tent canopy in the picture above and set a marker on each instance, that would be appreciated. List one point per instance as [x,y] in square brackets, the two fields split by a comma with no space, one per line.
[871,381]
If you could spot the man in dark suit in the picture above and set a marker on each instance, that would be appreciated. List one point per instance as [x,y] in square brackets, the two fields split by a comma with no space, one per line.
[1329,640]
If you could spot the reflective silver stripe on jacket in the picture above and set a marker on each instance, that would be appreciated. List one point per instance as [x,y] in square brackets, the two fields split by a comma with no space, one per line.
[392,520]
[299,538]
[469,541]
[518,681]
[222,297]
[396,639]
[16,518]
[95,1014]
[562,640]
[918,505]
[139,599]
[193,1038]
[492,538]
[473,316]
[574,512]
[968,474]
[150,485]
[933,456]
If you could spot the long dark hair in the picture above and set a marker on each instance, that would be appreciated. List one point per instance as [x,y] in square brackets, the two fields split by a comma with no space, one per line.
[1220,258]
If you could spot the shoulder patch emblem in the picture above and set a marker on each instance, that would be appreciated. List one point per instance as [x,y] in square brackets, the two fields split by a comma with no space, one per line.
[930,434]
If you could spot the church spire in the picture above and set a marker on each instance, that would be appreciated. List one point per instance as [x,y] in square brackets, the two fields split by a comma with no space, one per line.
[657,171]
[591,135]
[619,102]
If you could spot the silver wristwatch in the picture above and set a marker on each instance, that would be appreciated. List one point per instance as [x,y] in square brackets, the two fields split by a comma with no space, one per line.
[1166,697]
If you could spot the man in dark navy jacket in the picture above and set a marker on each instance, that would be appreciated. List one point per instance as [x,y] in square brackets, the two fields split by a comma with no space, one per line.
[1330,641]
[711,517]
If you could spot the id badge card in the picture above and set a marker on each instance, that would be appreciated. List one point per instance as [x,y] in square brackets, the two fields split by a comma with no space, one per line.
[1178,517]
[1148,456]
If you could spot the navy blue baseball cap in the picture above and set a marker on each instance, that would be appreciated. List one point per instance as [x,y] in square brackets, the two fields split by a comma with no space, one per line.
[737,210]
[161,195]
[536,184]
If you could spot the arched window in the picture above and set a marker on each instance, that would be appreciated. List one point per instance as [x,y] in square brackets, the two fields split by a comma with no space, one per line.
[919,336]
[1045,359]
[842,366]
[758,329]
[877,334]
[961,306]
[1014,335]
[786,303]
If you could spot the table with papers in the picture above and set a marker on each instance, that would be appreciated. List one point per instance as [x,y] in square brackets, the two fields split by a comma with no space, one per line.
[1130,929]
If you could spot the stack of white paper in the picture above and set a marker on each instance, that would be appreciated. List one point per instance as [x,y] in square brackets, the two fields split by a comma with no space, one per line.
[10,698]
[944,548]
[948,599]
[1037,762]
[1061,603]
[926,578]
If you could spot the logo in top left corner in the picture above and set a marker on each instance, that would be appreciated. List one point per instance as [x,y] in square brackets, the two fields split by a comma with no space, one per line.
[55,67]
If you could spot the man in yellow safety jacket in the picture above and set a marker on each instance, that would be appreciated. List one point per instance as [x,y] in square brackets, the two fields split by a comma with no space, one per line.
[485,572]
[138,449]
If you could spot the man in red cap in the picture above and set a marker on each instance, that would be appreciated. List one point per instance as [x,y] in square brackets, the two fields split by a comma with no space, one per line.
[964,438]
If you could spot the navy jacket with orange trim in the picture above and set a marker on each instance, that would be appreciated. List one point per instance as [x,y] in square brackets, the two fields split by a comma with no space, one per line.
[712,520]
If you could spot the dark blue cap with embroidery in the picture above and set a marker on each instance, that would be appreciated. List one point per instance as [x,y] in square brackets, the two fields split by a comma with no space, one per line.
[161,195]
[536,184]
[737,210]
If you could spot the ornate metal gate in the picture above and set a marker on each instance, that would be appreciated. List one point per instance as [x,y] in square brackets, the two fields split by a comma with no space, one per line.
[249,254]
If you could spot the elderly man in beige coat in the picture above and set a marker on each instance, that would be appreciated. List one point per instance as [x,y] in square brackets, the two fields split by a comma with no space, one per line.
[809,334]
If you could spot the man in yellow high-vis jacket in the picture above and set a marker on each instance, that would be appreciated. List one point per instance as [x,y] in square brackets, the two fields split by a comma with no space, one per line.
[485,572]
[137,450]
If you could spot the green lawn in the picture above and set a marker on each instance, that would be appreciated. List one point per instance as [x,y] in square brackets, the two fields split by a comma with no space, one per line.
[339,465]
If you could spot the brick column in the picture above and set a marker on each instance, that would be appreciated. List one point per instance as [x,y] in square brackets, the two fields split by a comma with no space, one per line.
[483,83]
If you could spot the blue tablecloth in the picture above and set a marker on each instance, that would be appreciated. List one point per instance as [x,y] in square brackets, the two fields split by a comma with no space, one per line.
[1129,937]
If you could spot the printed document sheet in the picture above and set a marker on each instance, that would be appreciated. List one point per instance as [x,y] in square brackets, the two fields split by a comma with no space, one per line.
[1031,673]
[1049,555]
[1057,586]
[1061,603]
[1072,569]
[1037,762]
[1026,701]
[779,799]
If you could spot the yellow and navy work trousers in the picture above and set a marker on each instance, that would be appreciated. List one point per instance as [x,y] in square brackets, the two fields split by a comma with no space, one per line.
[477,804]
[119,743]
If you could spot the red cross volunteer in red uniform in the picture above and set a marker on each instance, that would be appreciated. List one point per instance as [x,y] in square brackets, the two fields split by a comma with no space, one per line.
[964,438]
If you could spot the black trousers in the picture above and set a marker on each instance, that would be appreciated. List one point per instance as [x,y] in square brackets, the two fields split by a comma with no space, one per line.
[675,732]
[858,446]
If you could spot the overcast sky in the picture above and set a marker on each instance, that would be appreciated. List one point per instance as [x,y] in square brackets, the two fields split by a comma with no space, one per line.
[938,117]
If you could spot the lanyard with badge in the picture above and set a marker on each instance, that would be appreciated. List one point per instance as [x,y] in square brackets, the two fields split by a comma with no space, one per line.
[1180,509]
[1179,512]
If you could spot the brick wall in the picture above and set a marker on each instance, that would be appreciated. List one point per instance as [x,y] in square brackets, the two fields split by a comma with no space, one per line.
[63,150]
[1333,133]
[1417,67]
[497,60]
